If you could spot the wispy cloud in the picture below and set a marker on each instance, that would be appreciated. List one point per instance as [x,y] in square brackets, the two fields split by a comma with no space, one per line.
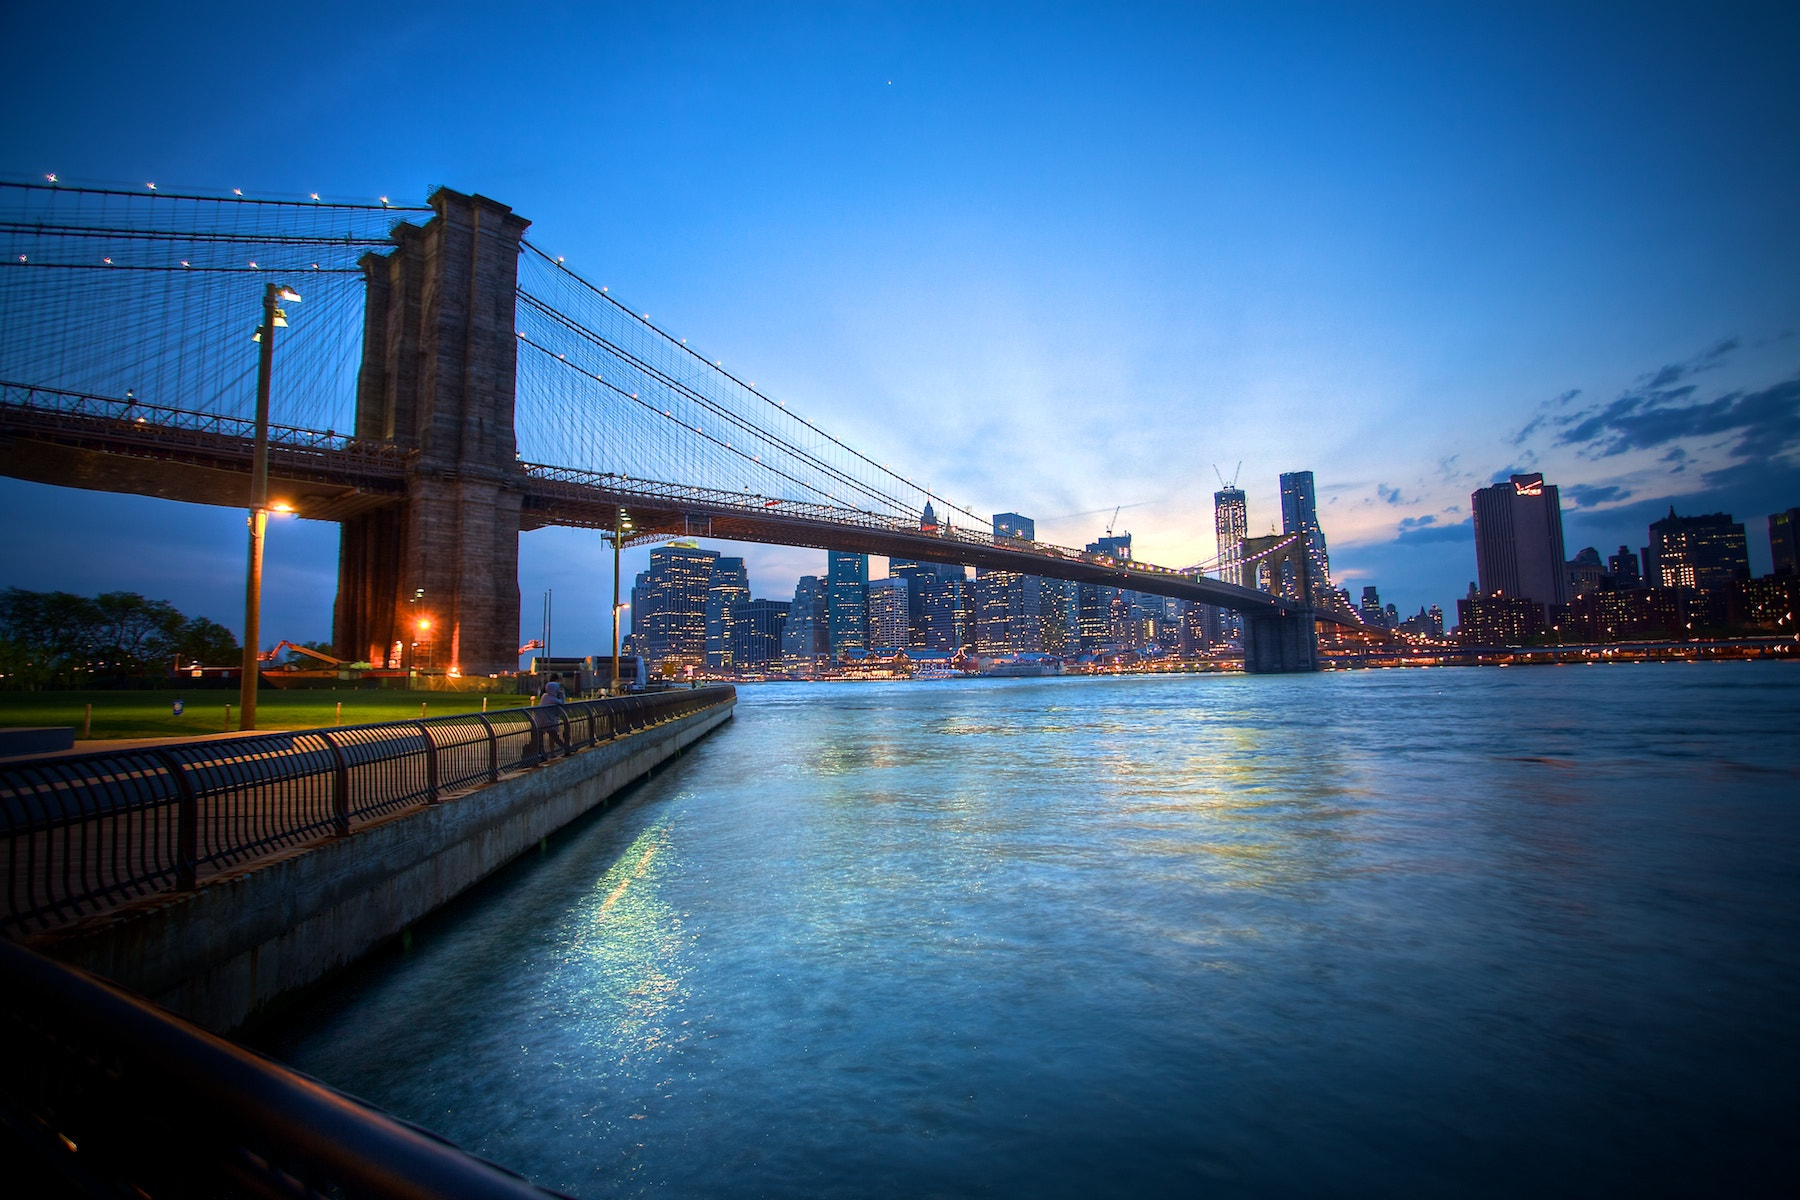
[1584,495]
[1416,531]
[1765,422]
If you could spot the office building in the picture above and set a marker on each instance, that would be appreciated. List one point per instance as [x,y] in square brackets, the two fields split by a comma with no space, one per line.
[1012,525]
[730,587]
[1622,570]
[668,605]
[1584,572]
[1706,552]
[1231,525]
[1519,541]
[1300,514]
[889,627]
[847,594]
[1784,542]
[806,637]
[1370,609]
[756,634]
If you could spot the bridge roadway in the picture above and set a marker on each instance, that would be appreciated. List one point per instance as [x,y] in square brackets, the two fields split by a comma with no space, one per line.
[108,444]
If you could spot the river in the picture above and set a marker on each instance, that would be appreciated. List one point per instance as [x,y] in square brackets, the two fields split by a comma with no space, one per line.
[1454,931]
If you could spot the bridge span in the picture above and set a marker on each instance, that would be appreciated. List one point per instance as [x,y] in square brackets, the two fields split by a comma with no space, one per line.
[471,347]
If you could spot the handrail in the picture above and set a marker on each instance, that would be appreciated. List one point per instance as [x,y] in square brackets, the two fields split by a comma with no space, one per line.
[82,832]
[114,1096]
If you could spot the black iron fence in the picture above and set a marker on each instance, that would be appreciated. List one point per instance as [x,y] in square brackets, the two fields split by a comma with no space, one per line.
[84,832]
[105,1095]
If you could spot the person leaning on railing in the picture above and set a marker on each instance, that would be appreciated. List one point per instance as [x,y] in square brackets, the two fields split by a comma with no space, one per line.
[548,716]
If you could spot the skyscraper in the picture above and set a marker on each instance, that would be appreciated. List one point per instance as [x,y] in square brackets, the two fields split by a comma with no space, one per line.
[888,613]
[1231,525]
[1705,552]
[1007,605]
[668,604]
[730,587]
[1519,541]
[756,629]
[806,637]
[1784,542]
[847,594]
[1300,514]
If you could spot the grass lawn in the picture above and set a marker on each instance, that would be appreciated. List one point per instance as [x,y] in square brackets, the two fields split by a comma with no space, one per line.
[149,714]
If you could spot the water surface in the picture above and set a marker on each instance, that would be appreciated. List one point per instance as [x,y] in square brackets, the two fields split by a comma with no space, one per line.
[1437,931]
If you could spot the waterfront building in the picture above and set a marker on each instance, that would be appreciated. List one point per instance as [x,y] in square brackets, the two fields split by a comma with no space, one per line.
[1706,552]
[1058,601]
[1622,570]
[1519,541]
[806,637]
[1370,608]
[1770,604]
[756,634]
[730,587]
[1497,620]
[847,593]
[668,605]
[1624,615]
[1436,616]
[1008,613]
[1584,571]
[1300,514]
[889,627]
[1784,542]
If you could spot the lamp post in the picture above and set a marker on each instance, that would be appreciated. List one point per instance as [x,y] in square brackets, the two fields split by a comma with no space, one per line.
[273,318]
[619,522]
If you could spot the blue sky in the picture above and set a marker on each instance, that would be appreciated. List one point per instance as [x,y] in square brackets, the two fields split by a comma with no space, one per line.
[1052,259]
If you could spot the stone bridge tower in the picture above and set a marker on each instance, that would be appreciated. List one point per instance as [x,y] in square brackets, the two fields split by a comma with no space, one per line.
[439,368]
[1275,643]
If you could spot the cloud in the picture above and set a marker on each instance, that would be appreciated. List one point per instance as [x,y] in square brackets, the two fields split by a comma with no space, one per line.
[1506,473]
[1390,494]
[1765,422]
[1422,533]
[1584,495]
[1407,523]
[1678,457]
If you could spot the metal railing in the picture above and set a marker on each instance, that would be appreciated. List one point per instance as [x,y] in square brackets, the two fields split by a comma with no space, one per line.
[84,832]
[103,1094]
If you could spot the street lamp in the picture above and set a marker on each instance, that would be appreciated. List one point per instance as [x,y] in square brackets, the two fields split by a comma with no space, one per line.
[620,522]
[274,318]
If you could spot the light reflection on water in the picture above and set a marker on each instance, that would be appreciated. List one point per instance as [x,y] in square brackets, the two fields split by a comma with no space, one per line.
[1450,931]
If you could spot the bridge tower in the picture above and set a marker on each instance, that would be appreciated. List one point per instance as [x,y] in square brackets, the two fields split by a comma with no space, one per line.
[1280,643]
[440,356]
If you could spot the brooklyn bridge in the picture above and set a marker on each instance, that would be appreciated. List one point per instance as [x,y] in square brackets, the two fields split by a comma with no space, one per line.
[445,386]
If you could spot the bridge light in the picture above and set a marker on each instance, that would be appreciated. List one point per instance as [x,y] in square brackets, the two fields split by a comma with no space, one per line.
[315,195]
[285,293]
[51,177]
[384,202]
[281,506]
[151,186]
[237,191]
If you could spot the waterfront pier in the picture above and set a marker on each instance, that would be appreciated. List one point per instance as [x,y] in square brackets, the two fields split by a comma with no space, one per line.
[218,878]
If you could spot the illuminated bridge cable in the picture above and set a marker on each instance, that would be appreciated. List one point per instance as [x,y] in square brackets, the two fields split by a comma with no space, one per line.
[707,368]
[735,420]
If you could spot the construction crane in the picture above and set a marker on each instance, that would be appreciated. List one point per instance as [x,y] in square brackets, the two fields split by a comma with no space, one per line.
[1234,475]
[275,653]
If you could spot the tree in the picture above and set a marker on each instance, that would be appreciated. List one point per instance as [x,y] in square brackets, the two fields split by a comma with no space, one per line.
[208,643]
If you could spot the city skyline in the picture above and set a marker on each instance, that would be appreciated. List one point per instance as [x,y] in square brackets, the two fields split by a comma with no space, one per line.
[1411,256]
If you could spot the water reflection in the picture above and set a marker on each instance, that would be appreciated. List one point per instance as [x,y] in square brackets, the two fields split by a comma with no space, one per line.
[1455,931]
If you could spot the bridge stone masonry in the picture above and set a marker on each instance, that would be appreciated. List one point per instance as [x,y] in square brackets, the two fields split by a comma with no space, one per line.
[438,380]
[430,489]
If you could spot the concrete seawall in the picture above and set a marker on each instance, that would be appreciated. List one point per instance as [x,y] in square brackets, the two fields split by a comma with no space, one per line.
[221,954]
